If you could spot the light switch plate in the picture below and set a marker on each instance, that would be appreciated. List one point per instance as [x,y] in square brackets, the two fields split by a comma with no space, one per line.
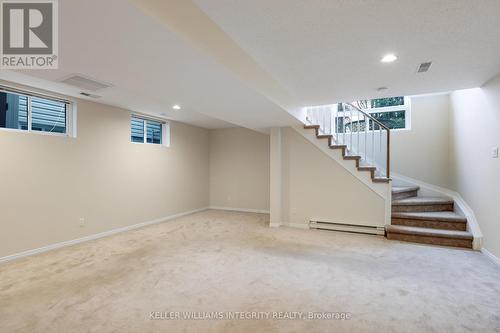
[494,152]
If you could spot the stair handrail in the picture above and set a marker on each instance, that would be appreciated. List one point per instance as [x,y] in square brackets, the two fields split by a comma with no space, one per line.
[387,129]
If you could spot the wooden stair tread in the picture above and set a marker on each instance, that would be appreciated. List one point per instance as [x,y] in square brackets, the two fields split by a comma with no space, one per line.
[311,126]
[352,157]
[427,232]
[416,201]
[381,180]
[431,216]
[366,168]
[402,189]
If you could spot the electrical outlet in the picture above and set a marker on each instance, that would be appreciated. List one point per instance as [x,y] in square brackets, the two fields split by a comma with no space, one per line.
[81,222]
[494,152]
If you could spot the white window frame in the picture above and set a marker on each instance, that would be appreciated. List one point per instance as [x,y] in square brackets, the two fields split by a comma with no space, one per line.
[405,107]
[165,130]
[70,112]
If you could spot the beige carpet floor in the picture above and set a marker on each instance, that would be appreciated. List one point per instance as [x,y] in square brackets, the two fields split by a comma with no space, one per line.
[218,261]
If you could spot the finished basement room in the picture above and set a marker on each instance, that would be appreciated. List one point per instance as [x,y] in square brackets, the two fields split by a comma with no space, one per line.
[250,166]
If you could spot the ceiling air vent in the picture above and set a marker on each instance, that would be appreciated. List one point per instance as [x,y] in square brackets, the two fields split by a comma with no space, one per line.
[424,67]
[89,95]
[85,83]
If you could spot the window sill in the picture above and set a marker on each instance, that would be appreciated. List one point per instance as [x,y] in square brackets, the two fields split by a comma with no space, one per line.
[15,130]
[401,130]
[150,144]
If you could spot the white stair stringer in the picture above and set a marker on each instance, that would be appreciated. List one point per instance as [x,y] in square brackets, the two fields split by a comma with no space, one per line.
[381,189]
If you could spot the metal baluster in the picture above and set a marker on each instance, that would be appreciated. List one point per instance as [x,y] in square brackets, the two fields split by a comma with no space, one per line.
[366,138]
[326,120]
[380,141]
[357,130]
[327,123]
[350,134]
[373,142]
[322,120]
[335,113]
[329,113]
[343,125]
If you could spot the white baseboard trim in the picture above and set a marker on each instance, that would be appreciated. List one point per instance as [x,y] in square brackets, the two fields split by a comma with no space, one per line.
[95,236]
[491,256]
[244,210]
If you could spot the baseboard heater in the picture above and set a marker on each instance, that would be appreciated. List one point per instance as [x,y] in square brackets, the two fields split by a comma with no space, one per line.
[354,228]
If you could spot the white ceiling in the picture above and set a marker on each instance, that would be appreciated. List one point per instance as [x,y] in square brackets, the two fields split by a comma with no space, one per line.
[325,51]
[150,69]
[240,62]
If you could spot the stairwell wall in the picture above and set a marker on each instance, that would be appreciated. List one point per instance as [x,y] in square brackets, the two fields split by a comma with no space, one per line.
[422,152]
[474,131]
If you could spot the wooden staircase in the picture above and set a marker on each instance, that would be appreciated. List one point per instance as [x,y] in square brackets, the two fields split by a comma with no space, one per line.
[346,156]
[427,220]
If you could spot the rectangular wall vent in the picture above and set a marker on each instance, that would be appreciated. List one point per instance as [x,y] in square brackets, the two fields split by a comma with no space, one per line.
[424,67]
[85,83]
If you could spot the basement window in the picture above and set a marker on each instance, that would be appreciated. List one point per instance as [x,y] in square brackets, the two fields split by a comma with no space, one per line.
[394,112]
[23,111]
[145,130]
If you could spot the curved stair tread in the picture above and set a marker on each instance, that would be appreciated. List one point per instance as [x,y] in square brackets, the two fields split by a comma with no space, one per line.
[431,216]
[441,233]
[415,201]
[402,189]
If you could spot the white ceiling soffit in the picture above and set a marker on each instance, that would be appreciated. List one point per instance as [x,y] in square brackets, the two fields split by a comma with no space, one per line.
[150,69]
[187,20]
[324,51]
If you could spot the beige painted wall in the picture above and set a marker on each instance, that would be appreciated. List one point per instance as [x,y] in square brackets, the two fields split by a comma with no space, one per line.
[49,182]
[316,186]
[422,152]
[475,129]
[239,169]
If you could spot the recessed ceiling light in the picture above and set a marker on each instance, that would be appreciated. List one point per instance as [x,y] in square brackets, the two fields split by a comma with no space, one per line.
[176,107]
[389,58]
